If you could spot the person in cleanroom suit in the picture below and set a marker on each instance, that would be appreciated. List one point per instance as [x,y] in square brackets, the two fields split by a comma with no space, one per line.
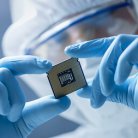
[44,28]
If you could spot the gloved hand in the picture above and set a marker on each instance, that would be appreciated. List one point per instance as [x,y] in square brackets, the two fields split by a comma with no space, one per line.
[17,118]
[111,83]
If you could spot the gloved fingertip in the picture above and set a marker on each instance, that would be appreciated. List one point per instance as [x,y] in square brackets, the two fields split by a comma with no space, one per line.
[118,81]
[97,99]
[107,91]
[64,102]
[16,112]
[43,63]
[106,94]
[70,50]
[67,51]
[97,104]
[93,104]
[118,77]
[84,92]
[13,119]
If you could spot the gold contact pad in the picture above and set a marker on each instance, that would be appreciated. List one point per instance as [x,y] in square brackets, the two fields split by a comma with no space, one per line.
[77,79]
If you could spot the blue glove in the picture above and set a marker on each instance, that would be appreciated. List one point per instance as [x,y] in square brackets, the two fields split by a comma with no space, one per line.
[111,81]
[17,118]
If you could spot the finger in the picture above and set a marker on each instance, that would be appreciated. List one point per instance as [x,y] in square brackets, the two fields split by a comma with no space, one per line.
[85,92]
[97,98]
[93,92]
[4,101]
[126,93]
[109,62]
[93,48]
[26,65]
[126,61]
[15,94]
[39,111]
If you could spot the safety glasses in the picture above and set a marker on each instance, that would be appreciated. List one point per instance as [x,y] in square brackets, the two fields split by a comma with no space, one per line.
[93,23]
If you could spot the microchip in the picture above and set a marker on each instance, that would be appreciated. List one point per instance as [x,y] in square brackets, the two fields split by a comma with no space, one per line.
[66,77]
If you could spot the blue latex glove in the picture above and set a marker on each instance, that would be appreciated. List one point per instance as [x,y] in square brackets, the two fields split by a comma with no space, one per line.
[17,118]
[111,82]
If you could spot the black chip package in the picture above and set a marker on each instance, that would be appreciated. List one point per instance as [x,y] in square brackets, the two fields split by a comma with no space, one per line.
[66,77]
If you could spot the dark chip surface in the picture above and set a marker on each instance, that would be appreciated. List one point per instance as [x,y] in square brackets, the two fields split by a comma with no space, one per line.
[66,77]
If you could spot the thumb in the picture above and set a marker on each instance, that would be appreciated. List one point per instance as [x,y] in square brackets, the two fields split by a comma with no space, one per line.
[40,111]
